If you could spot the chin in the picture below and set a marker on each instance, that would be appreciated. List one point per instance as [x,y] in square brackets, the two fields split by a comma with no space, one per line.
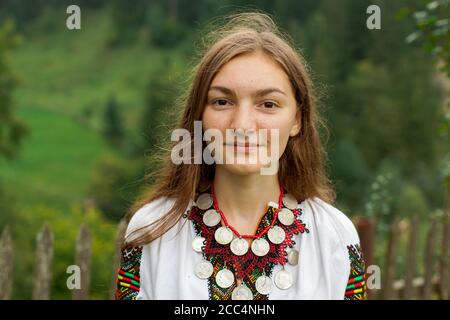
[243,169]
[249,165]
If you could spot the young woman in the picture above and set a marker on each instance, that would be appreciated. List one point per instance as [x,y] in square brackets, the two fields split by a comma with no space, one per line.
[225,230]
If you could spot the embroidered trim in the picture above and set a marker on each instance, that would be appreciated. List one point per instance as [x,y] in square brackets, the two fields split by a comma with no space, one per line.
[356,286]
[128,276]
[249,266]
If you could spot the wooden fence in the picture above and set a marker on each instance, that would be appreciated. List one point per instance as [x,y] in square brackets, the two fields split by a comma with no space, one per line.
[432,284]
[44,258]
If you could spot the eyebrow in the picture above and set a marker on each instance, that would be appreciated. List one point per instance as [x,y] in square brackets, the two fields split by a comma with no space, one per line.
[257,93]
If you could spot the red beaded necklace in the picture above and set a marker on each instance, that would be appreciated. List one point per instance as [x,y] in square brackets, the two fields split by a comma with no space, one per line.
[247,236]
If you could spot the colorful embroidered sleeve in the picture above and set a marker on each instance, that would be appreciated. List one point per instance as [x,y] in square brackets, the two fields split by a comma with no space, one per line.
[356,285]
[128,277]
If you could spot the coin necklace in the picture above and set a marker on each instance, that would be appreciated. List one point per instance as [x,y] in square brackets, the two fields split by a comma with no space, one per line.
[239,246]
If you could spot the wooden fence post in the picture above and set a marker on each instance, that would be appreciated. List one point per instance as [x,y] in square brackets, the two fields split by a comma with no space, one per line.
[121,229]
[429,261]
[6,264]
[408,291]
[44,257]
[83,261]
[444,277]
[391,262]
[366,231]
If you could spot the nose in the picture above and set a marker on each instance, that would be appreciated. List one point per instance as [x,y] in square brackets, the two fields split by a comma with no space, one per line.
[243,118]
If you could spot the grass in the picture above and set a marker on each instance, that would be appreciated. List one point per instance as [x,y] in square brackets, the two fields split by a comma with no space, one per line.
[56,160]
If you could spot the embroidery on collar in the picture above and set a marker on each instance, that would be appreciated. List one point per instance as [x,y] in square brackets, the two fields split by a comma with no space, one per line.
[249,266]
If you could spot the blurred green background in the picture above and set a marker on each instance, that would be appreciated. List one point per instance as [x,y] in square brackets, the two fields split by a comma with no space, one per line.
[82,110]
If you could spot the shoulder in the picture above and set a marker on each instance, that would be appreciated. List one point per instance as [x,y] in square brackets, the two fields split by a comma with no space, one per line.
[338,236]
[337,232]
[147,215]
[331,220]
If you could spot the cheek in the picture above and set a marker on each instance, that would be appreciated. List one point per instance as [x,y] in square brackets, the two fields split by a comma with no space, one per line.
[283,125]
[284,137]
[212,119]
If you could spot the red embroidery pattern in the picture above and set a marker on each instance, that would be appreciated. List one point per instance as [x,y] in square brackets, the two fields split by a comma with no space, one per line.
[356,286]
[128,277]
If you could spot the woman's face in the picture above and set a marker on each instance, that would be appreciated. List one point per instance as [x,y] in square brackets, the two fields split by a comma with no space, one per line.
[249,93]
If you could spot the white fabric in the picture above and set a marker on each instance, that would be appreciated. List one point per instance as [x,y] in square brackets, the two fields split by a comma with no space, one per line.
[167,264]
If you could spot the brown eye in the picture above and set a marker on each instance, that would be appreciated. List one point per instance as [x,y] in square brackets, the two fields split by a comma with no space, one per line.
[220,102]
[269,105]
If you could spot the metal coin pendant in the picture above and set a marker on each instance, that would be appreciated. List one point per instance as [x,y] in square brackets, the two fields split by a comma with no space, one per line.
[204,201]
[286,217]
[211,218]
[225,278]
[289,201]
[223,235]
[239,246]
[293,257]
[283,279]
[260,247]
[276,235]
[242,292]
[264,285]
[197,244]
[204,269]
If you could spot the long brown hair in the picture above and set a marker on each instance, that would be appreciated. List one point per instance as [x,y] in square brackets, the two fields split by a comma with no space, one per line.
[302,167]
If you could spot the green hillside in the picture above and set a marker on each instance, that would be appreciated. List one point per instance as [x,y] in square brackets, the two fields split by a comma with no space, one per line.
[65,79]
[56,160]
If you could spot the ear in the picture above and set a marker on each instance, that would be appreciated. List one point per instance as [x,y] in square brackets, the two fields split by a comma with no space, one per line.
[296,127]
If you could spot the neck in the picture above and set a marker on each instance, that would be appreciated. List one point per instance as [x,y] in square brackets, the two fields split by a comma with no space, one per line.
[243,199]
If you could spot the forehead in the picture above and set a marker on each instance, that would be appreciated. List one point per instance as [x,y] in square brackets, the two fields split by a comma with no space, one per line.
[252,71]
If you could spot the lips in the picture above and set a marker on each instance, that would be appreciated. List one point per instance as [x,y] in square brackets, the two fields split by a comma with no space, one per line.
[246,145]
[241,147]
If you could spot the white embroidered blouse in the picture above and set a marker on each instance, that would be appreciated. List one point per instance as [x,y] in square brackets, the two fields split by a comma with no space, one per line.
[330,264]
